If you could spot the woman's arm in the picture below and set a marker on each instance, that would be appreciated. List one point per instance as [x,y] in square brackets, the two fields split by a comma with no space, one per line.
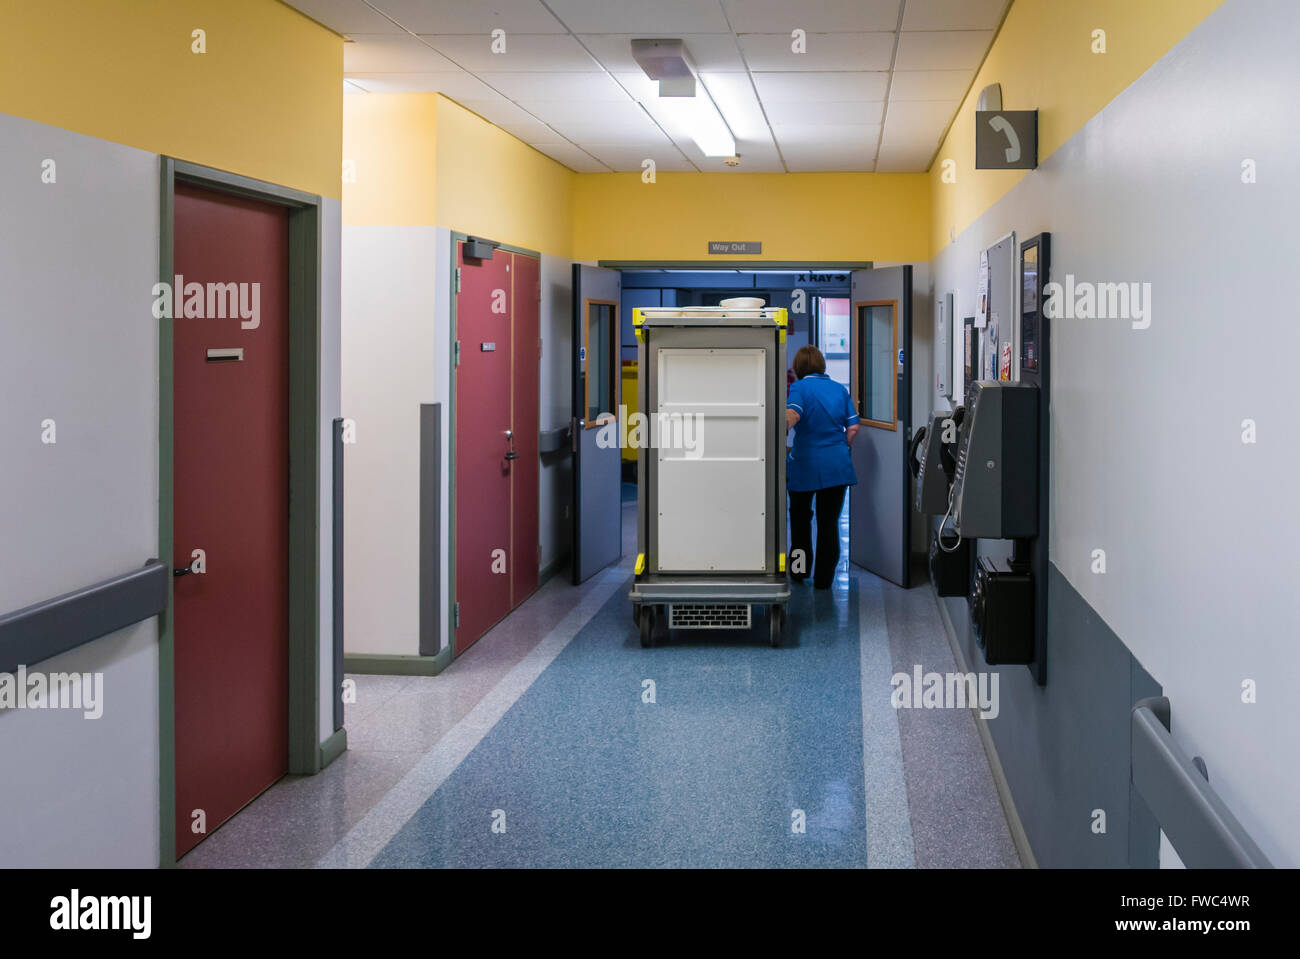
[851,432]
[791,417]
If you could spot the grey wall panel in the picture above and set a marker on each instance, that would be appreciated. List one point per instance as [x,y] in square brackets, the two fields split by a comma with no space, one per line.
[78,260]
[1147,452]
[431,535]
[1065,747]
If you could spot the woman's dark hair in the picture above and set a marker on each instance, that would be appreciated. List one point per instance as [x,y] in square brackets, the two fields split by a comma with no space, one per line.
[808,359]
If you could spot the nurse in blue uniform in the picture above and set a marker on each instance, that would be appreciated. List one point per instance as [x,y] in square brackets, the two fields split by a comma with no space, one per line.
[818,469]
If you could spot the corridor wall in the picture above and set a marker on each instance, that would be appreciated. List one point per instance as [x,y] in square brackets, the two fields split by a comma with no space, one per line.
[100,90]
[1153,460]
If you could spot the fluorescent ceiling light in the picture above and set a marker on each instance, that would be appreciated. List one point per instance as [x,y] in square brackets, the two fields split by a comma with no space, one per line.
[698,118]
[694,115]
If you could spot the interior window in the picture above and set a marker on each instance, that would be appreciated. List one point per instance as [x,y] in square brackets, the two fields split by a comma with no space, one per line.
[877,384]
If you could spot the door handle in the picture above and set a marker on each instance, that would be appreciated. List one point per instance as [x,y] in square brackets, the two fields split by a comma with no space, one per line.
[512,455]
[182,571]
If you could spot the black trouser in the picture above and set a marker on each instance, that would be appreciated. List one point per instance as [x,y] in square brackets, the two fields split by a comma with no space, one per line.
[829,503]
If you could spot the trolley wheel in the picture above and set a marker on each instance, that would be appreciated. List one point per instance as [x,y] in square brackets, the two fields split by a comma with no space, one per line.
[636,614]
[776,625]
[646,621]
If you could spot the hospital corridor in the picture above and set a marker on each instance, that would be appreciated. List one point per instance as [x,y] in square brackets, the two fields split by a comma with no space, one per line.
[635,451]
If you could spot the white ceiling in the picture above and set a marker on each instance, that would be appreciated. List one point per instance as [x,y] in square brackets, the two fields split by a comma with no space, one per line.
[875,90]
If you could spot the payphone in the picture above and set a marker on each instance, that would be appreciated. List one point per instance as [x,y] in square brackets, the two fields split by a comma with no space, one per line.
[995,486]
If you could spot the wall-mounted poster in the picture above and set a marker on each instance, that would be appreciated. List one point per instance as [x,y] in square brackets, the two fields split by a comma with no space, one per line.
[982,292]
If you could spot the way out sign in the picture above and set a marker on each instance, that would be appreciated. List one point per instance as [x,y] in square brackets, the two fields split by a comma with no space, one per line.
[1006,139]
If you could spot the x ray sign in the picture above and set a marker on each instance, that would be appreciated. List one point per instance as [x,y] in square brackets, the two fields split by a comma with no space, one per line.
[1006,139]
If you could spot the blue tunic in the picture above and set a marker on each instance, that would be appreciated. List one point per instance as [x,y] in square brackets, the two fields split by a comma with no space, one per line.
[820,457]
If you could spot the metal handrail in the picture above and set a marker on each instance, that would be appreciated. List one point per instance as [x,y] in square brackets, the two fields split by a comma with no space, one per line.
[54,626]
[1177,790]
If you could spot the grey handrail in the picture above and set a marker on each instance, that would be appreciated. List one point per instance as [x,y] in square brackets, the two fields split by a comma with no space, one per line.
[54,626]
[1177,790]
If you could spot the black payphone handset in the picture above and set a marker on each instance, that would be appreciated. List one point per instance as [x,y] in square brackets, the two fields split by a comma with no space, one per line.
[936,463]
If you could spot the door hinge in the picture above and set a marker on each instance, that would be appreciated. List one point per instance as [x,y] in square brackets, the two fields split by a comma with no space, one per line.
[455,614]
[457,279]
[456,354]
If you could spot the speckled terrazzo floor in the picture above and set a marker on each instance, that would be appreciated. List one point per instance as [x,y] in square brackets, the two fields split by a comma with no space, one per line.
[542,726]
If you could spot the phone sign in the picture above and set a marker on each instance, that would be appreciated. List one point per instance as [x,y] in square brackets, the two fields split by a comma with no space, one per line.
[1006,139]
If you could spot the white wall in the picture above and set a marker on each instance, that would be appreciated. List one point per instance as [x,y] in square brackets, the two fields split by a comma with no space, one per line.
[1147,456]
[389,347]
[77,260]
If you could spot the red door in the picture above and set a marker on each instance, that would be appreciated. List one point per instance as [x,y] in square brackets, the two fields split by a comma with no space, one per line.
[482,443]
[497,465]
[231,481]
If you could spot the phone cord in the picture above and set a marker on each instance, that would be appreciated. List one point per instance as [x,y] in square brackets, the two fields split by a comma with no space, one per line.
[952,489]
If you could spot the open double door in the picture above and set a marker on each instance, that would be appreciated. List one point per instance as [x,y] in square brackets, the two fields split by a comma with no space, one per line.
[880,515]
[880,383]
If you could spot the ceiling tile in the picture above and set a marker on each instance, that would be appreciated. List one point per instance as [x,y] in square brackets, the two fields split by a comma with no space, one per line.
[346,16]
[824,51]
[392,54]
[624,158]
[805,159]
[919,117]
[635,16]
[802,87]
[585,87]
[826,111]
[571,157]
[930,84]
[942,50]
[458,85]
[904,159]
[470,16]
[710,52]
[626,114]
[513,119]
[830,136]
[953,14]
[524,52]
[827,16]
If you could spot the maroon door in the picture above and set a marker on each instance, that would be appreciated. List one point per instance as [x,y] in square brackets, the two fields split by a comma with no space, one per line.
[524,489]
[231,481]
[482,444]
[497,465]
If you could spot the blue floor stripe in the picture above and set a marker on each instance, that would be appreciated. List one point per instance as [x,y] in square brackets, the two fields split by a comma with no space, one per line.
[709,776]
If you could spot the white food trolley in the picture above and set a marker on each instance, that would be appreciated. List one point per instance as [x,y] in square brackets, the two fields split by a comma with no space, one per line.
[711,529]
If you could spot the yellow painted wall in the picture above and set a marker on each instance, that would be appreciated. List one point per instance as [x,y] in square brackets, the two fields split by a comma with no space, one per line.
[797,216]
[263,101]
[389,146]
[491,184]
[1043,58]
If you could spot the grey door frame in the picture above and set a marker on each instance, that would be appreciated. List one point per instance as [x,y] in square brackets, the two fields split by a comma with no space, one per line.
[305,230]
